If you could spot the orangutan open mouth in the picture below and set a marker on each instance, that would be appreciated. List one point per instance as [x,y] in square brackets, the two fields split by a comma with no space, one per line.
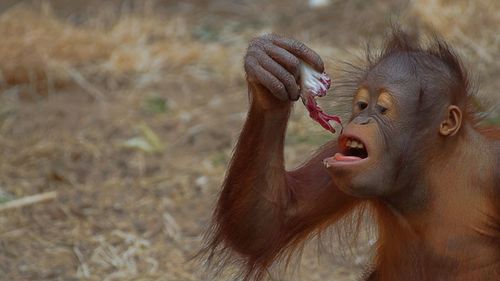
[351,151]
[354,147]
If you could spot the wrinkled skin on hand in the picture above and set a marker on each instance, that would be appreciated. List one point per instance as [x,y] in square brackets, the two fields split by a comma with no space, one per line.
[285,70]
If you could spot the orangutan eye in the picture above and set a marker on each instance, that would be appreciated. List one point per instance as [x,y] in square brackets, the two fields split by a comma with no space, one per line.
[384,103]
[381,109]
[361,105]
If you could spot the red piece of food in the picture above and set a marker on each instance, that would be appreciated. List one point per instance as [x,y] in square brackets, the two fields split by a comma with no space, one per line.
[315,84]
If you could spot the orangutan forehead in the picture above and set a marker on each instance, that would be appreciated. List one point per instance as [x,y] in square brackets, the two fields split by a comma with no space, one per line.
[393,68]
[407,65]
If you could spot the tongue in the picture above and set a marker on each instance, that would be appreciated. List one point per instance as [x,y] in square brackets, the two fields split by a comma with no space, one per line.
[342,157]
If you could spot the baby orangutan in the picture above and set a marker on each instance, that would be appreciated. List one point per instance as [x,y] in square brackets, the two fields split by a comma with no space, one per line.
[411,151]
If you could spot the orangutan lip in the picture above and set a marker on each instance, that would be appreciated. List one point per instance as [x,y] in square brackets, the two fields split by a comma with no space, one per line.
[340,159]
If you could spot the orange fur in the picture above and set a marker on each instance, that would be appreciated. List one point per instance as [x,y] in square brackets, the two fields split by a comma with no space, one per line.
[265,213]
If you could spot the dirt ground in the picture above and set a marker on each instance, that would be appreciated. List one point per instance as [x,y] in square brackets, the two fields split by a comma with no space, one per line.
[128,111]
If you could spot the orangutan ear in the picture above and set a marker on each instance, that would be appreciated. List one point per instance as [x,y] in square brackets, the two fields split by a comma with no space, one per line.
[451,125]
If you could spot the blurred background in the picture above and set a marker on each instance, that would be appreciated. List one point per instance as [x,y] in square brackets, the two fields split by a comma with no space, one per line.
[117,120]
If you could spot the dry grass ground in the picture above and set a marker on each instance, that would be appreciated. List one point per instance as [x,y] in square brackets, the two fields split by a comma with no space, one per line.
[129,110]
